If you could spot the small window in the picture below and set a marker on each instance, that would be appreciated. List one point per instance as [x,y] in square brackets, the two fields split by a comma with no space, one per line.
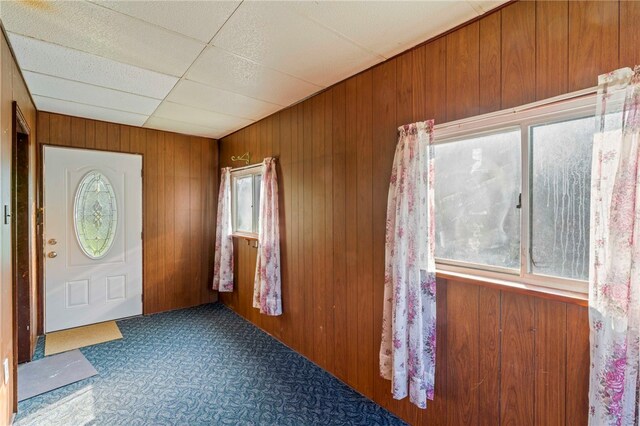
[477,191]
[245,196]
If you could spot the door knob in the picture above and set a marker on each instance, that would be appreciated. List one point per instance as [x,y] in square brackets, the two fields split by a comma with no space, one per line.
[52,254]
[53,241]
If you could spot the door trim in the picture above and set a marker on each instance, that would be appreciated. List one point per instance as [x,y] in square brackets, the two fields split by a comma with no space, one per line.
[18,125]
[40,221]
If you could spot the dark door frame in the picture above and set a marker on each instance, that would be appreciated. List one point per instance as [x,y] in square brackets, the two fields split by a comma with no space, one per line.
[22,327]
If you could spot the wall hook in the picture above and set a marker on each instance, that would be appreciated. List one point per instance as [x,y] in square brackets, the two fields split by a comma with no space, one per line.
[244,157]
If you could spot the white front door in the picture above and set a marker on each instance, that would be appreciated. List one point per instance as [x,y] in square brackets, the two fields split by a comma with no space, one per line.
[92,236]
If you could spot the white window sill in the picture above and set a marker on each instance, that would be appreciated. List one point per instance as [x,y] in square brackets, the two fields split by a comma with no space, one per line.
[246,236]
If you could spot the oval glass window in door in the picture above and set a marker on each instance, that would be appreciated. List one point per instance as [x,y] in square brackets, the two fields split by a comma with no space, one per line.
[95,214]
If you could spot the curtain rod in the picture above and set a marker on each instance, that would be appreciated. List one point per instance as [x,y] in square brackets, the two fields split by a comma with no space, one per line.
[251,166]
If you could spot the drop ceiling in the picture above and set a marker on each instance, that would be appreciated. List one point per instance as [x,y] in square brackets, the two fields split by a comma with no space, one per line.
[208,68]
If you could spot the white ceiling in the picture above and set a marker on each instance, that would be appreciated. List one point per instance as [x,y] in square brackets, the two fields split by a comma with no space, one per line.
[208,68]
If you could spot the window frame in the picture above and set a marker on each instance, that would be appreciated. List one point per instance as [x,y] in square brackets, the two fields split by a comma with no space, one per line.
[252,171]
[551,111]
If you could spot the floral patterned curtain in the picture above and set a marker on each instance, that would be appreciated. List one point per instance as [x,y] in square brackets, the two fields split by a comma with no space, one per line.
[223,258]
[614,276]
[266,286]
[407,352]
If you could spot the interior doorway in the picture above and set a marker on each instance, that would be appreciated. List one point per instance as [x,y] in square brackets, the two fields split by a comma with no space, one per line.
[21,246]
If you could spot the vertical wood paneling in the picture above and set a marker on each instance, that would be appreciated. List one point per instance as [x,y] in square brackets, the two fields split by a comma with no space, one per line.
[490,62]
[339,136]
[404,89]
[462,353]
[328,230]
[593,41]
[173,271]
[60,129]
[101,137]
[489,326]
[364,198]
[318,163]
[384,142]
[552,51]
[517,373]
[518,53]
[502,357]
[90,134]
[463,72]
[435,77]
[286,220]
[351,219]
[629,34]
[577,365]
[150,225]
[418,69]
[550,362]
[307,224]
[77,132]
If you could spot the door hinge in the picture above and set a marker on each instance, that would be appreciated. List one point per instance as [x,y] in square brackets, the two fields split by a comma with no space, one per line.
[519,205]
[7,215]
[141,235]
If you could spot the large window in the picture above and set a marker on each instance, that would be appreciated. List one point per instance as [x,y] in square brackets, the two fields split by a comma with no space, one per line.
[245,201]
[513,194]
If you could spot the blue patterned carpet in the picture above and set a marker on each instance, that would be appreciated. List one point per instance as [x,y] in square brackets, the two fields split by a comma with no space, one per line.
[197,366]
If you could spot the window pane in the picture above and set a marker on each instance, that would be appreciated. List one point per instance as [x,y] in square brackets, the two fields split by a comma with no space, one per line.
[476,193]
[256,209]
[560,194]
[244,201]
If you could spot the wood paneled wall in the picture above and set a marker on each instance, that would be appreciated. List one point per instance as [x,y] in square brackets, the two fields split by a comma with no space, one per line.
[180,184]
[502,357]
[12,88]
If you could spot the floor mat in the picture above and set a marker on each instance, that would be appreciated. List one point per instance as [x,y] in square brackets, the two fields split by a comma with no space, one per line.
[53,372]
[66,340]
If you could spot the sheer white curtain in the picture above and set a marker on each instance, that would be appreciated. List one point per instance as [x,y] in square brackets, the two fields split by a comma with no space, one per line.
[614,276]
[223,257]
[407,352]
[266,286]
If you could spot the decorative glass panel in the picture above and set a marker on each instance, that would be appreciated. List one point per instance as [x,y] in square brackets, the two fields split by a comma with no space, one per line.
[476,194]
[560,197]
[95,214]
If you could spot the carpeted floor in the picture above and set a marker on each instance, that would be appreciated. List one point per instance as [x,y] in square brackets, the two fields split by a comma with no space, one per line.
[197,366]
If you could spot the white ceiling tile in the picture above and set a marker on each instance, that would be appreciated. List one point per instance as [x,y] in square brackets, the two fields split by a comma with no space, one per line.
[51,59]
[67,90]
[103,32]
[486,5]
[219,68]
[272,34]
[169,125]
[200,117]
[201,96]
[88,111]
[197,19]
[387,27]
